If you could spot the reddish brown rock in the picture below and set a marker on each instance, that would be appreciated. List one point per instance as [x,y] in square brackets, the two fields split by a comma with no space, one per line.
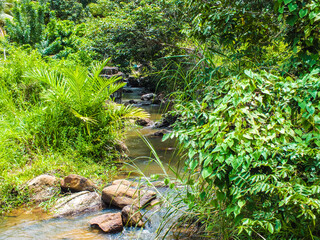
[131,216]
[76,183]
[122,147]
[122,195]
[109,223]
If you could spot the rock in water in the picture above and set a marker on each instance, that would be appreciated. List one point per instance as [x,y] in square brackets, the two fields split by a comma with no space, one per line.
[161,133]
[77,203]
[148,96]
[131,216]
[109,223]
[122,195]
[43,187]
[76,183]
[143,122]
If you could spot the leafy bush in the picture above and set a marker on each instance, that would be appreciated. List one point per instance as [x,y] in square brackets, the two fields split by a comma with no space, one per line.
[74,105]
[253,151]
[28,22]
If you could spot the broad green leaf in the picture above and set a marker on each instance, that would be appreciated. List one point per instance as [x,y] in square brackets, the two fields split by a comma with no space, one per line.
[207,161]
[193,164]
[241,203]
[247,136]
[277,225]
[206,172]
[166,181]
[281,9]
[270,227]
[292,7]
[312,15]
[249,73]
[307,31]
[303,13]
[311,109]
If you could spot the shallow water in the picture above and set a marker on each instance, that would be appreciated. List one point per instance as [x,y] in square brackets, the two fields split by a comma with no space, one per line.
[139,151]
[36,224]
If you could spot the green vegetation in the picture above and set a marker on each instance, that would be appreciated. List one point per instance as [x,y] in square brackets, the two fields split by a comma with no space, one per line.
[244,79]
[249,119]
[56,116]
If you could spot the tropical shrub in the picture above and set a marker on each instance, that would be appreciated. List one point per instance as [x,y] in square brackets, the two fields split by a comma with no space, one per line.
[76,108]
[56,117]
[28,22]
[253,153]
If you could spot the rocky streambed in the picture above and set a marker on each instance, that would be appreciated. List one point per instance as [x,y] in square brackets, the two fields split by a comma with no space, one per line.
[123,209]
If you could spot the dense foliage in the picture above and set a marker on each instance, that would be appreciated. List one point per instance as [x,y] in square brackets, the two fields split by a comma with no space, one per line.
[244,76]
[56,116]
[255,140]
[251,137]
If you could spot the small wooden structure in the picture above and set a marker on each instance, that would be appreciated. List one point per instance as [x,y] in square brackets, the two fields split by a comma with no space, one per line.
[109,72]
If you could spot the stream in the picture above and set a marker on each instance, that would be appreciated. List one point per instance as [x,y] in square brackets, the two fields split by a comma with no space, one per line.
[36,224]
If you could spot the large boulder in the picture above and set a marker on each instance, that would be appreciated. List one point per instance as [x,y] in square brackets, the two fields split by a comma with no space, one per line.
[109,223]
[76,183]
[154,205]
[122,195]
[43,187]
[131,216]
[77,203]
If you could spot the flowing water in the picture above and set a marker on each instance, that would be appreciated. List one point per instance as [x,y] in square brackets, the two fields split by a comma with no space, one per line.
[139,151]
[36,224]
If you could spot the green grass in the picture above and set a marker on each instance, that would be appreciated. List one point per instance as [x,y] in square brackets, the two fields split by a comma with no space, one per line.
[24,167]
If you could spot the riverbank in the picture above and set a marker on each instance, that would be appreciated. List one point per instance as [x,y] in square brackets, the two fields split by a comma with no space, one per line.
[22,219]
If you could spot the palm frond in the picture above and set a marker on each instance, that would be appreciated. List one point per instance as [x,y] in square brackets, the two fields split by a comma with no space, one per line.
[58,89]
[131,112]
[76,79]
[126,112]
[106,87]
[87,120]
[83,118]
[98,67]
